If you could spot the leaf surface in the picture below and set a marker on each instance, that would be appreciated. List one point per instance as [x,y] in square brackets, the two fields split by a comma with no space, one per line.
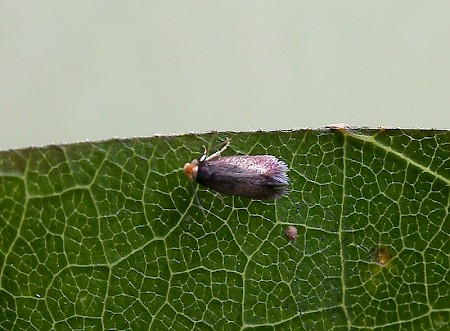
[109,235]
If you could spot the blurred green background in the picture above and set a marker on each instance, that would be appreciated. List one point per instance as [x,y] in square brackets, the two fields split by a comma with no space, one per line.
[87,70]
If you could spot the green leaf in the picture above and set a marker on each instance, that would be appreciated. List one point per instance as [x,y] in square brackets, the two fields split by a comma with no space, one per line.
[109,235]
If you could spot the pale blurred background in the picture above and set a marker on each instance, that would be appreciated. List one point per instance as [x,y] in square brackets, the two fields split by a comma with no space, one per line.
[87,70]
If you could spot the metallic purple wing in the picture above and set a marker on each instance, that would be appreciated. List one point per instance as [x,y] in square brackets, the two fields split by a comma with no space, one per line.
[257,177]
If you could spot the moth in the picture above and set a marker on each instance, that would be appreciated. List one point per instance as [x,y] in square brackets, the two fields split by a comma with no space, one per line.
[261,177]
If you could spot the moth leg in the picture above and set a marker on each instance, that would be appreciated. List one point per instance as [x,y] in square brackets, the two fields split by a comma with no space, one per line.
[203,156]
[217,154]
[220,196]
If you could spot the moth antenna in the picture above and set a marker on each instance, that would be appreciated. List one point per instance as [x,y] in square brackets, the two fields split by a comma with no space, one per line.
[198,201]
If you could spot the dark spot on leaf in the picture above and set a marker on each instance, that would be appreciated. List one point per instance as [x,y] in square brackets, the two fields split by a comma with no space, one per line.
[381,255]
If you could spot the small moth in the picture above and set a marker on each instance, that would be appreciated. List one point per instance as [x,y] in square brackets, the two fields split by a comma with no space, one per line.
[258,177]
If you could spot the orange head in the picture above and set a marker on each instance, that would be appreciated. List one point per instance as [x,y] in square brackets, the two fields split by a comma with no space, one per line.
[190,169]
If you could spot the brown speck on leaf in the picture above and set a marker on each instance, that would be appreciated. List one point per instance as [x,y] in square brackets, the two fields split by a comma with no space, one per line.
[291,232]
